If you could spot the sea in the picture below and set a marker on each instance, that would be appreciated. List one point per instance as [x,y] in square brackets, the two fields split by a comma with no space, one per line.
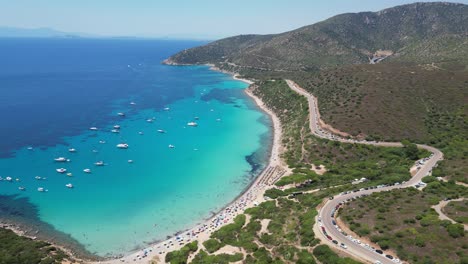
[171,177]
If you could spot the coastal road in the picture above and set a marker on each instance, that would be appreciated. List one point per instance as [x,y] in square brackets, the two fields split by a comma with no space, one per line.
[325,220]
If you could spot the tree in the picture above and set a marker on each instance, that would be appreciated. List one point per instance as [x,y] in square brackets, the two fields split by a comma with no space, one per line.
[411,150]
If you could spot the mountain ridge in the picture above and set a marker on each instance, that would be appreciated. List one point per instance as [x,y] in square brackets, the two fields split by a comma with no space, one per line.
[350,38]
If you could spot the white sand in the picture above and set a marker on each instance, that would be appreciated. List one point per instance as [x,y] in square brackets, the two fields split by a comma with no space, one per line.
[251,197]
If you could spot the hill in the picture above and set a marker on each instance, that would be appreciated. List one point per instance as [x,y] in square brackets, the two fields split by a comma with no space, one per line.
[420,32]
[13,32]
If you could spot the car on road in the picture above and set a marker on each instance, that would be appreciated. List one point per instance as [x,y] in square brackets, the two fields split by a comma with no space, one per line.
[335,242]
[343,245]
[389,256]
[379,251]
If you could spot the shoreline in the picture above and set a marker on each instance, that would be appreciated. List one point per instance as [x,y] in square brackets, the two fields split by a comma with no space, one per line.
[73,255]
[250,197]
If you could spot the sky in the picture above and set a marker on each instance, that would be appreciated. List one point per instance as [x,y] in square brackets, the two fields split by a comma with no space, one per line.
[200,19]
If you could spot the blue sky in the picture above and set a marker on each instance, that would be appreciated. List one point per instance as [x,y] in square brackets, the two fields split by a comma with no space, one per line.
[179,18]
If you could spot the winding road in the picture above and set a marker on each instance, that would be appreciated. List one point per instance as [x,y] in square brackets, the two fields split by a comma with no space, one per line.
[325,223]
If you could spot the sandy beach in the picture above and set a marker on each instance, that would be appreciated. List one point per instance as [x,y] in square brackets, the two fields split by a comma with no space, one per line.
[252,196]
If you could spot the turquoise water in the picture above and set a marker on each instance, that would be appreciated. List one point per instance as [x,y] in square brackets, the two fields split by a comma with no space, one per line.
[122,206]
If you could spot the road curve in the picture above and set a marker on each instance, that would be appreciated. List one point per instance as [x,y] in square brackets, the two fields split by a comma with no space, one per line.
[324,225]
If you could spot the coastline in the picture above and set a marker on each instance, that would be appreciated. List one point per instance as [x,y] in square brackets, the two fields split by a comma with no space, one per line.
[250,197]
[73,254]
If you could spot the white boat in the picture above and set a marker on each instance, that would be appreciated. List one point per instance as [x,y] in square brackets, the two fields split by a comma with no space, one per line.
[30,148]
[69,185]
[60,159]
[8,179]
[115,131]
[102,142]
[161,131]
[95,151]
[192,124]
[122,146]
[40,189]
[218,120]
[69,174]
[93,128]
[130,161]
[140,133]
[37,177]
[99,163]
[21,188]
[87,170]
[61,170]
[121,114]
[116,127]
[132,103]
[167,109]
[71,150]
[150,120]
[171,146]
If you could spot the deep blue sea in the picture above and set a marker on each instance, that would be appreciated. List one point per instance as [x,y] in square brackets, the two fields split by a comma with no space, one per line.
[53,90]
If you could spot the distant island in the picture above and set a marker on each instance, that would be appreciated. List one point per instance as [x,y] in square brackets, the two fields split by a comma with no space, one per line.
[14,32]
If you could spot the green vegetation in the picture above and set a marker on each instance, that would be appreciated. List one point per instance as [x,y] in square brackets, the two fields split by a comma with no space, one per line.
[203,258]
[403,220]
[377,101]
[326,255]
[181,256]
[457,210]
[417,95]
[15,249]
[344,162]
[421,32]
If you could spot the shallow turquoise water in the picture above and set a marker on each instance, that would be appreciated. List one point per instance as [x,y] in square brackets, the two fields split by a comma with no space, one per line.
[120,206]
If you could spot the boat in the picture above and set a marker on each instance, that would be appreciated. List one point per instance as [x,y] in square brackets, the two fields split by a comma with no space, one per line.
[21,188]
[167,109]
[8,179]
[116,127]
[69,174]
[61,170]
[93,128]
[218,120]
[69,185]
[30,148]
[99,163]
[87,170]
[132,103]
[40,189]
[130,161]
[161,131]
[171,146]
[150,120]
[61,159]
[140,133]
[95,151]
[71,150]
[102,142]
[37,177]
[115,131]
[192,124]
[197,118]
[121,114]
[122,146]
